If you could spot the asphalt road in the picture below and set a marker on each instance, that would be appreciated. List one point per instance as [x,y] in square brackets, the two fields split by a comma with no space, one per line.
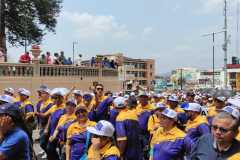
[36,146]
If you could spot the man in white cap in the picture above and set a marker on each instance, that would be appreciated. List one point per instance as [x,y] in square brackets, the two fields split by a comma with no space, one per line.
[6,99]
[102,147]
[158,98]
[153,120]
[9,91]
[143,111]
[197,125]
[219,103]
[27,108]
[168,141]
[55,112]
[43,105]
[235,102]
[172,103]
[78,97]
[127,131]
[234,111]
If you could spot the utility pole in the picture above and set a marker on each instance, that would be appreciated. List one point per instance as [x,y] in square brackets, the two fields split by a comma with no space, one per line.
[225,45]
[181,78]
[213,54]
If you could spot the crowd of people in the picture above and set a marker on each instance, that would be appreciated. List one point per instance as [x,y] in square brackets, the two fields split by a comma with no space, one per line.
[104,62]
[98,125]
[58,59]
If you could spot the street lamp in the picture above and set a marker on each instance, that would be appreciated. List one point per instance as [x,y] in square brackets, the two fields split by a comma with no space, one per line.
[213,54]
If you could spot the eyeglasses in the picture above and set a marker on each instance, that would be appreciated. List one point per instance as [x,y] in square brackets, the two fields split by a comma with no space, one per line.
[54,97]
[221,129]
[96,136]
[99,88]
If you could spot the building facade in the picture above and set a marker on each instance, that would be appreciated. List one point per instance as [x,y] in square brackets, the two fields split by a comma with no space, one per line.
[192,78]
[234,76]
[133,71]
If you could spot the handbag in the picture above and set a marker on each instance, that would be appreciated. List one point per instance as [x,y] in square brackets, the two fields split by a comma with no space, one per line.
[84,156]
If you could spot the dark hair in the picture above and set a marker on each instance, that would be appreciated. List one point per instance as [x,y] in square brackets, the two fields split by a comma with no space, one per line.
[99,84]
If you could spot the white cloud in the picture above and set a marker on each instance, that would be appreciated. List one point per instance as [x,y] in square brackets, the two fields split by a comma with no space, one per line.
[90,26]
[147,30]
[208,6]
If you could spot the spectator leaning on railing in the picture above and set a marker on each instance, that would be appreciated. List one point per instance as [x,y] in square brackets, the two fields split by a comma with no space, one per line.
[25,58]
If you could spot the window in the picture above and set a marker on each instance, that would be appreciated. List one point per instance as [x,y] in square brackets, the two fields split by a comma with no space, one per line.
[232,75]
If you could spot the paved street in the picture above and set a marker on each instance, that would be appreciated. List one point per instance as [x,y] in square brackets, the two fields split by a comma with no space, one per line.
[36,146]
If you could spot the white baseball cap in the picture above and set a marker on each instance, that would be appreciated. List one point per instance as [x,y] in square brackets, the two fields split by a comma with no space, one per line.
[24,92]
[102,128]
[44,88]
[132,94]
[193,107]
[234,101]
[19,90]
[77,92]
[72,102]
[59,91]
[158,95]
[159,106]
[169,113]
[119,102]
[6,98]
[232,110]
[221,98]
[9,90]
[173,98]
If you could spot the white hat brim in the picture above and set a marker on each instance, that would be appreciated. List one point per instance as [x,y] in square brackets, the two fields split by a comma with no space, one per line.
[93,130]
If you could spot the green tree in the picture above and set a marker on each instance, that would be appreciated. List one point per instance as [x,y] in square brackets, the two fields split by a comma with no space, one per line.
[27,21]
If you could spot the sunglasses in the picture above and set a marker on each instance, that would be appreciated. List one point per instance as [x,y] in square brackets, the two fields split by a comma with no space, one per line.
[54,97]
[96,136]
[221,129]
[99,88]
[81,114]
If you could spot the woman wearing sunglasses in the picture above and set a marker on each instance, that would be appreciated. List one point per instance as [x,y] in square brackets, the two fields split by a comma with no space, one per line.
[102,147]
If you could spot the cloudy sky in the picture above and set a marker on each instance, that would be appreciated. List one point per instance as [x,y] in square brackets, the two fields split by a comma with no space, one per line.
[169,31]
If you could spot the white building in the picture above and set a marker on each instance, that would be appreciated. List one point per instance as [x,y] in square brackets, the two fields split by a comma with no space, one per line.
[193,78]
[205,78]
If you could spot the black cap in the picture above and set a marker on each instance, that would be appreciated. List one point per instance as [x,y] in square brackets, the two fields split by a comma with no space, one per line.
[132,101]
[191,94]
[12,110]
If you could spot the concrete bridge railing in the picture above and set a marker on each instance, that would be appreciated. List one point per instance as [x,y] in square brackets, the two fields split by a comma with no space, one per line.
[44,70]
